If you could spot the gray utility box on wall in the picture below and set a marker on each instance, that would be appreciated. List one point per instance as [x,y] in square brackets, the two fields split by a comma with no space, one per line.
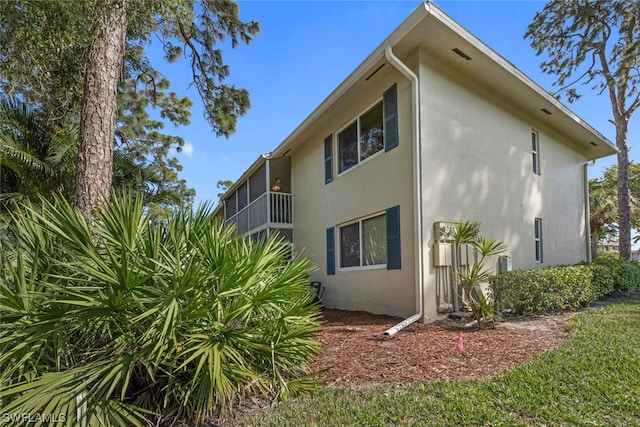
[504,263]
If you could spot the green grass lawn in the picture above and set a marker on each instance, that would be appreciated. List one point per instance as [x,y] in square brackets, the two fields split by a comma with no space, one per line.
[591,380]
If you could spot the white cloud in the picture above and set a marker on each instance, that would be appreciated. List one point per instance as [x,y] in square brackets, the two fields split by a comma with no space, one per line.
[187,149]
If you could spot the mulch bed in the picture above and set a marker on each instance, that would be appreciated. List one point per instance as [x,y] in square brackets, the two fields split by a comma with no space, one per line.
[357,353]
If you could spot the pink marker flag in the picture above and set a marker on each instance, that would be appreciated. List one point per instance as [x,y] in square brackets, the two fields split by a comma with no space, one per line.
[460,343]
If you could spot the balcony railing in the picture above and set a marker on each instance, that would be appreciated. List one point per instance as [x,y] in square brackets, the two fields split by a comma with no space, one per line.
[271,208]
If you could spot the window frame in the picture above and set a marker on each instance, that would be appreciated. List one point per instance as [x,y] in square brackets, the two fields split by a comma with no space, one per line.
[356,119]
[535,151]
[328,159]
[537,239]
[360,222]
[389,135]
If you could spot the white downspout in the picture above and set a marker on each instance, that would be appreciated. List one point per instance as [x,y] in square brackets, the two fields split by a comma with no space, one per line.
[417,190]
[587,213]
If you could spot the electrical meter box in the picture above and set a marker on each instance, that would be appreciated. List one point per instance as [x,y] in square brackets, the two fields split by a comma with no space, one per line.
[441,254]
[441,230]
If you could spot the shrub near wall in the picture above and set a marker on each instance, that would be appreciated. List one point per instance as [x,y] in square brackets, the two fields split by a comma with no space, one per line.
[553,288]
[613,274]
[604,279]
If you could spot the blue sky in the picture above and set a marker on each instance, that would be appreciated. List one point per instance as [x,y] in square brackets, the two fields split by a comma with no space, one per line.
[307,48]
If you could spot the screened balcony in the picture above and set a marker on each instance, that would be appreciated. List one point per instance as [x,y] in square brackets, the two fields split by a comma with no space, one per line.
[262,202]
[271,209]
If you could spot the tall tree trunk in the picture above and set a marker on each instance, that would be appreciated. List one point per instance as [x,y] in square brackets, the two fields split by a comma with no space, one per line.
[99,107]
[595,237]
[624,202]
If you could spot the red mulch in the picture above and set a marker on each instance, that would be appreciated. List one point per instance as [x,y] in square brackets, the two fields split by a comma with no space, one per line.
[356,352]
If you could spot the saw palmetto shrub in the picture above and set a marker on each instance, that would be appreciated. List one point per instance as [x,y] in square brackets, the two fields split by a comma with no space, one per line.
[544,289]
[123,320]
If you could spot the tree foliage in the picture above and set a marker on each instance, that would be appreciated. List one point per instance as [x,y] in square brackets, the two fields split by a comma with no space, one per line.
[610,178]
[36,156]
[596,43]
[45,65]
[223,186]
[602,212]
[603,203]
[37,160]
[46,62]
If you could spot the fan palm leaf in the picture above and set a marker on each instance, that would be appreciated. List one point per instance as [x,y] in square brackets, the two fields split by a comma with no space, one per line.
[39,153]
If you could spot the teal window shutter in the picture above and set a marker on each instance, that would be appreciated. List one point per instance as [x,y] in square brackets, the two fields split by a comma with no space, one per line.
[390,113]
[331,252]
[328,159]
[393,238]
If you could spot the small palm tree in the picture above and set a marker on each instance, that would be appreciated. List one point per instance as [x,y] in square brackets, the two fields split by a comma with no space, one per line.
[127,319]
[473,273]
[36,156]
[37,159]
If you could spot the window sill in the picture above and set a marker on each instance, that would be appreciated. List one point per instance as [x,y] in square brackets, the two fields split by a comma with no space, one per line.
[363,268]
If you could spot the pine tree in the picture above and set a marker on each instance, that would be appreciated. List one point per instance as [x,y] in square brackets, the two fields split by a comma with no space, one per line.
[70,60]
[596,43]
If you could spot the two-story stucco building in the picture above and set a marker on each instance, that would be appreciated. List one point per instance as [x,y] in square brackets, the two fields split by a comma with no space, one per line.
[433,126]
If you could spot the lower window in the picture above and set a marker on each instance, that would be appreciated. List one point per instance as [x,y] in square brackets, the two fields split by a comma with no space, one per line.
[364,243]
[538,238]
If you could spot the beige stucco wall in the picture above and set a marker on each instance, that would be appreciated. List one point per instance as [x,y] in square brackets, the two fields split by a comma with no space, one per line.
[477,165]
[380,182]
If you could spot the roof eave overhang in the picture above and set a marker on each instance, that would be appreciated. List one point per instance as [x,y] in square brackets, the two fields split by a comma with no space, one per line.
[522,91]
[528,95]
[370,64]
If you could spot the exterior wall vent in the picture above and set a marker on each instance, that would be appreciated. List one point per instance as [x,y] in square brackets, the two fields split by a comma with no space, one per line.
[461,53]
[375,71]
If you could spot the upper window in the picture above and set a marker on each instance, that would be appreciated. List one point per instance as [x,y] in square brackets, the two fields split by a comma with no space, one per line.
[364,243]
[535,152]
[538,238]
[361,139]
[370,133]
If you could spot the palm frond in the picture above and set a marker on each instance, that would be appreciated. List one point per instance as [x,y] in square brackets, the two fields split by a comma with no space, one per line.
[464,232]
[489,247]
